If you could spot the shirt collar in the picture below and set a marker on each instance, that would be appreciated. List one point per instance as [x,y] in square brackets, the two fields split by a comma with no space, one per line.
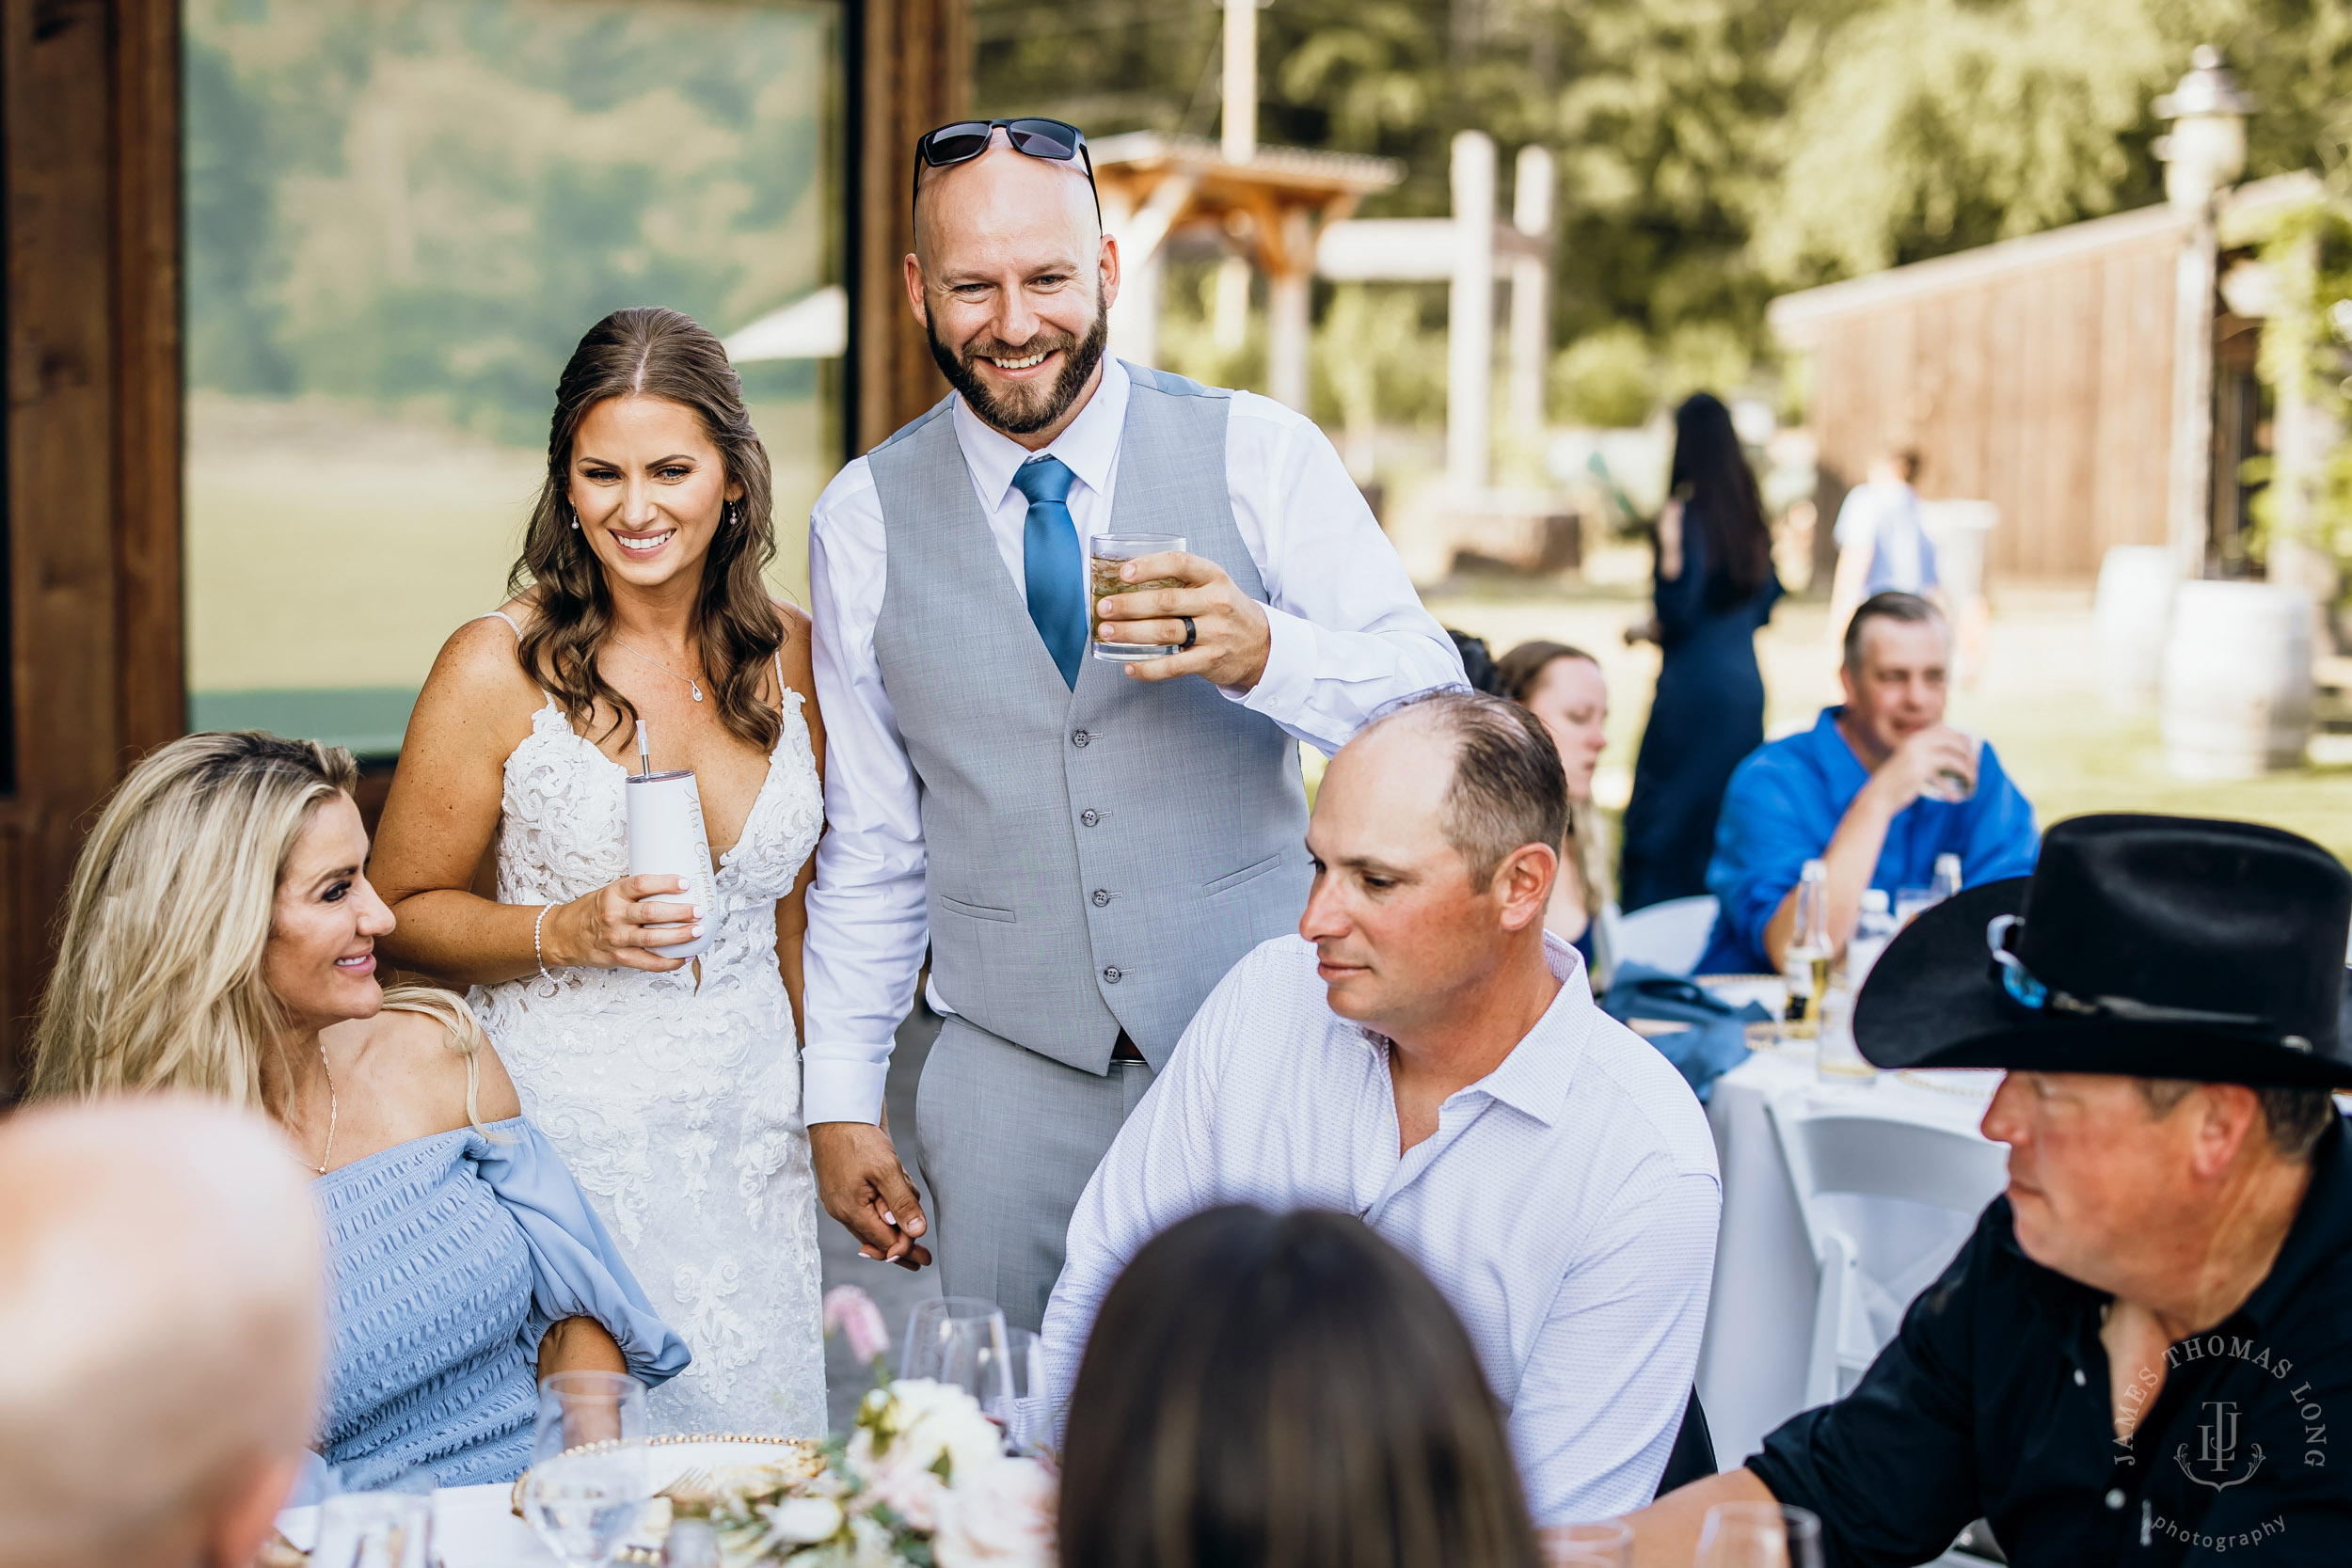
[1089,445]
[1535,1077]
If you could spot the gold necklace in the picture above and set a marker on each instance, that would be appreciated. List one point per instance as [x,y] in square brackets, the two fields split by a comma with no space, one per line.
[332,1110]
[691,684]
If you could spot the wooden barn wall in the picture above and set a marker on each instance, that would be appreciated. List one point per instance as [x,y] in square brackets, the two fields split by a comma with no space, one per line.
[2043,389]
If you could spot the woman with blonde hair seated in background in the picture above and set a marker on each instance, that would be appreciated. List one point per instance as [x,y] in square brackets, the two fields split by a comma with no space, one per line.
[1284,1391]
[219,937]
[1562,687]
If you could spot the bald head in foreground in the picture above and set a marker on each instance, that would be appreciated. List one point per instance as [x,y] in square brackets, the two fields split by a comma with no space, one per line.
[160,1298]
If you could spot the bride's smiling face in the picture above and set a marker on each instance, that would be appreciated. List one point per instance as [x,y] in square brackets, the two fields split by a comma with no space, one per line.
[649,488]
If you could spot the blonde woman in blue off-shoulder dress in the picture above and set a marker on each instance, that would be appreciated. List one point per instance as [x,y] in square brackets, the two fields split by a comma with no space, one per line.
[219,937]
[671,1086]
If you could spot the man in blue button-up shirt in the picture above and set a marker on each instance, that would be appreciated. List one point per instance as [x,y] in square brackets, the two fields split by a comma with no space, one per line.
[1856,790]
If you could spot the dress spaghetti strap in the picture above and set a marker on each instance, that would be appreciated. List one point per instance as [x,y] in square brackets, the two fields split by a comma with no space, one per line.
[508,619]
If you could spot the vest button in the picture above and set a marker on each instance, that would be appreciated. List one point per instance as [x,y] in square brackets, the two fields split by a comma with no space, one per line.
[2115,1498]
[1102,897]
[1092,817]
[1112,973]
[1079,737]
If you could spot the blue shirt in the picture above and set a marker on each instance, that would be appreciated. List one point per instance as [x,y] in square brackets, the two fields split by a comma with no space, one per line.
[1783,804]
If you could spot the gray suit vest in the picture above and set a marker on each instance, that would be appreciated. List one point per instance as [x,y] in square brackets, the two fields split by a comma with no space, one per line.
[1097,858]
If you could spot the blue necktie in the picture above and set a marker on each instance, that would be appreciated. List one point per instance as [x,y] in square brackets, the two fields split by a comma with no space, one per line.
[1049,563]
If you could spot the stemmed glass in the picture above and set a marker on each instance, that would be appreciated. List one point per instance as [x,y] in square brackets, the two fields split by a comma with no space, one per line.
[376,1517]
[1606,1544]
[1020,1410]
[961,1340]
[588,1481]
[1759,1536]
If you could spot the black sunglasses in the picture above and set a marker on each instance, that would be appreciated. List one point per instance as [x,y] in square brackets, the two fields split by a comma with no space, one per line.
[1056,140]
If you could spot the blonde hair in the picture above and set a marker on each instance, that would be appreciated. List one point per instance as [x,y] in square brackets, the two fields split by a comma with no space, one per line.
[159,978]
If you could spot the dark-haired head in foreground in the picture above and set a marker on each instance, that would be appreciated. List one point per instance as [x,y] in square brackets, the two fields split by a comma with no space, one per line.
[1281,1392]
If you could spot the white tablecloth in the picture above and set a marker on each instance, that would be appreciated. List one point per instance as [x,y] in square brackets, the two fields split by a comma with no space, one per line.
[474,1526]
[1759,1320]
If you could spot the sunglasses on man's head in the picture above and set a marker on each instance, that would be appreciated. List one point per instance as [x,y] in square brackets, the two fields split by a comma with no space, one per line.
[1056,140]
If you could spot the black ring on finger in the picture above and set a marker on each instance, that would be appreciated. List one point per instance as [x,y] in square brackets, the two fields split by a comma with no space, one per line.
[1192,633]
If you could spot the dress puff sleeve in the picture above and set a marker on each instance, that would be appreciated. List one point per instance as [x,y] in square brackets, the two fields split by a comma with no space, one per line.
[575,1268]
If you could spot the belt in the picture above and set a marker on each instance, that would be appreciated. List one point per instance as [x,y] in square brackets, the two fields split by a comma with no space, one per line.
[1126,1050]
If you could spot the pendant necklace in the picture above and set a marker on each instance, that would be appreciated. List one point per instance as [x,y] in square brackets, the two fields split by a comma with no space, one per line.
[691,684]
[332,1110]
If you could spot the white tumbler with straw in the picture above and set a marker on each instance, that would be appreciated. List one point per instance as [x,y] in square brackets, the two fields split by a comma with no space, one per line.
[666,838]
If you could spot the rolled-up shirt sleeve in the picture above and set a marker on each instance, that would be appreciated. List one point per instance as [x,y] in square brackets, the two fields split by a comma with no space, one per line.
[867,923]
[1347,632]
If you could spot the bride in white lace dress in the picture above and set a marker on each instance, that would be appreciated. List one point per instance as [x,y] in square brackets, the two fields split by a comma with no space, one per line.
[671,1086]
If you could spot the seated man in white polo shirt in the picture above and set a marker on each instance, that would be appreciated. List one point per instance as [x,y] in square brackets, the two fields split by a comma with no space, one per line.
[1423,1056]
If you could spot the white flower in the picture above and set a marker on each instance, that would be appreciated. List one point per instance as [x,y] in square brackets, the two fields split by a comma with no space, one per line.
[915,1441]
[798,1521]
[997,1515]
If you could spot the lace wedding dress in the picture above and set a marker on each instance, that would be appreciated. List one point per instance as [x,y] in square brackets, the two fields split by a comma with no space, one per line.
[676,1106]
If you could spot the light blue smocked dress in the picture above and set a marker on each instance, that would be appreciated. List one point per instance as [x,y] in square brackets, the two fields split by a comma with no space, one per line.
[450,1258]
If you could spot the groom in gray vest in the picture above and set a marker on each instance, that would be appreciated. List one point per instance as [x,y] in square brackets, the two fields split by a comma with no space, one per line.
[1088,846]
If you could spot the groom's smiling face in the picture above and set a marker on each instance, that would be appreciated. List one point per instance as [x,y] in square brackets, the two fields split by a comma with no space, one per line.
[1403,937]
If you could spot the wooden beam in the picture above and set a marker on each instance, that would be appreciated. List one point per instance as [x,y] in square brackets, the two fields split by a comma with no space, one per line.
[913,68]
[89,91]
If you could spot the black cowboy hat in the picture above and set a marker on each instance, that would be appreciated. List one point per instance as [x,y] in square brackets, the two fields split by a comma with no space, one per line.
[2152,946]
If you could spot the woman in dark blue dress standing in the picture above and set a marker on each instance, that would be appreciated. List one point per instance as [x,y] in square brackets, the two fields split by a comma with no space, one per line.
[1715,586]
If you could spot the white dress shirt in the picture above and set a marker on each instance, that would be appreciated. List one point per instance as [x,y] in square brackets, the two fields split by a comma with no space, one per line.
[1566,1205]
[1348,634]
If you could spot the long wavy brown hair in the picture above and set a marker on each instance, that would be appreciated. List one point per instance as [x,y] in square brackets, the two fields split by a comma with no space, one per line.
[653,353]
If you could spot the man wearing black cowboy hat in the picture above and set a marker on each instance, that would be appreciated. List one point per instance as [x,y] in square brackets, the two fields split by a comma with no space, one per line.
[2136,1356]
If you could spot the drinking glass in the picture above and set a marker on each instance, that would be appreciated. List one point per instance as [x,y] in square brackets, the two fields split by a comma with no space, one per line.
[588,1481]
[376,1516]
[961,1340]
[1956,788]
[1108,552]
[1912,902]
[1607,1544]
[1759,1536]
[1022,1410]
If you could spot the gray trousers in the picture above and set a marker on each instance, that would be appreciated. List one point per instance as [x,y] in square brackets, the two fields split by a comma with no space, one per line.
[1007,1139]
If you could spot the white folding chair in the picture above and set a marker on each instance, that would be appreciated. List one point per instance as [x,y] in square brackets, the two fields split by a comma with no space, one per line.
[1671,936]
[1835,1155]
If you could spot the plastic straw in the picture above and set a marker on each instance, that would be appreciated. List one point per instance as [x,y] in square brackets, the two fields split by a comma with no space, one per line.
[645,756]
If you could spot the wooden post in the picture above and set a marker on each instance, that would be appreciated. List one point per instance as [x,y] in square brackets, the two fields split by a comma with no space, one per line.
[911,68]
[91,180]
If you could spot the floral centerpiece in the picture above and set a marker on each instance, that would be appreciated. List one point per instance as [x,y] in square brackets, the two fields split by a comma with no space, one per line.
[921,1480]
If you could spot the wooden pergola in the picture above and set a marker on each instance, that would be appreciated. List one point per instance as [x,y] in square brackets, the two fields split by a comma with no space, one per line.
[90,591]
[1269,202]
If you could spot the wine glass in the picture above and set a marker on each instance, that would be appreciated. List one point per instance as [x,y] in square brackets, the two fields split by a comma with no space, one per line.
[1759,1536]
[1020,1410]
[588,1481]
[375,1515]
[961,1340]
[1604,1544]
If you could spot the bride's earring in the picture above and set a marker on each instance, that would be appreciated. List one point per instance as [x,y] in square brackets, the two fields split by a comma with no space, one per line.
[730,517]
[575,520]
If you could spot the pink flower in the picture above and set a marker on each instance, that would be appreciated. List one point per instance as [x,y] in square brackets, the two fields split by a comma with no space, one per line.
[998,1515]
[854,1312]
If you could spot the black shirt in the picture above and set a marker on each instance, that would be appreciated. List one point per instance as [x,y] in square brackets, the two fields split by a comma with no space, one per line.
[1993,1400]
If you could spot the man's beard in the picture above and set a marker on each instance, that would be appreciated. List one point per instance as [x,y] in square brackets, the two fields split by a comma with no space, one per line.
[1027,409]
